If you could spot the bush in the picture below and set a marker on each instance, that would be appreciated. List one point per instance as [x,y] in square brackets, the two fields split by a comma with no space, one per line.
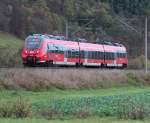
[133,79]
[18,109]
[10,58]
[82,113]
[137,63]
[51,114]
[22,109]
[6,110]
[132,110]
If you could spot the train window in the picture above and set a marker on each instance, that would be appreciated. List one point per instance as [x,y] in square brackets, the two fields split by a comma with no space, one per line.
[93,55]
[72,54]
[33,43]
[112,56]
[69,54]
[109,56]
[121,55]
[101,55]
[106,55]
[82,54]
[86,54]
[96,55]
[89,54]
[55,48]
[75,54]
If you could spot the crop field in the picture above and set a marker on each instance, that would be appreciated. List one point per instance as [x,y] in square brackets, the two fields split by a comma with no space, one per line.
[70,105]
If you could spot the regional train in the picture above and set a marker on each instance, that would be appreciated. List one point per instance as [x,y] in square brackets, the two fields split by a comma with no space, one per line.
[52,50]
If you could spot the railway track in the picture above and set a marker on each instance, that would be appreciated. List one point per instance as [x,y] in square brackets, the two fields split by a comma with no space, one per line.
[71,68]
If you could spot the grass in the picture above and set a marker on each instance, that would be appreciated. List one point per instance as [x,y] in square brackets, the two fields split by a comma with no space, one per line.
[75,120]
[9,41]
[57,93]
[63,79]
[81,103]
[64,94]
[10,49]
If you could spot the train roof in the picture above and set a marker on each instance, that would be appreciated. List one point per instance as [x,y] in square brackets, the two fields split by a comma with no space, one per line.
[47,36]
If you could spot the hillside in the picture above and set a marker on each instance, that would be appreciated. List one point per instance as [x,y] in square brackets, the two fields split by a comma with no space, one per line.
[10,41]
[115,20]
[10,47]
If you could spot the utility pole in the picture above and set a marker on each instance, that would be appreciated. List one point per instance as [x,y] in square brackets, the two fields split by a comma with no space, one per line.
[146,27]
[146,44]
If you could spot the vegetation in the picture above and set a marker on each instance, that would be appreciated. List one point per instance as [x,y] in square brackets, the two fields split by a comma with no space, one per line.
[45,79]
[18,109]
[76,104]
[24,17]
[74,120]
[76,96]
[10,50]
[73,95]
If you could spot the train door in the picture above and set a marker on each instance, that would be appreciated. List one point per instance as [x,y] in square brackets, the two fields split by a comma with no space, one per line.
[86,57]
[65,56]
[115,59]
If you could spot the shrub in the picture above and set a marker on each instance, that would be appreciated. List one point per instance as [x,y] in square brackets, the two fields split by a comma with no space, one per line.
[82,113]
[133,79]
[10,58]
[6,110]
[22,109]
[137,63]
[131,110]
[18,109]
[51,114]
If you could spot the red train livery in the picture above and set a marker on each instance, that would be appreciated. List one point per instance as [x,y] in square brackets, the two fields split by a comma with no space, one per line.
[55,50]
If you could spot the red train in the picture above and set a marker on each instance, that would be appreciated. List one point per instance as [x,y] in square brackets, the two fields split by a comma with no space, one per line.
[55,50]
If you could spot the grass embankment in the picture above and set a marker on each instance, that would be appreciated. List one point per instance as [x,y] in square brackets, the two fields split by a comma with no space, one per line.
[9,41]
[46,79]
[10,47]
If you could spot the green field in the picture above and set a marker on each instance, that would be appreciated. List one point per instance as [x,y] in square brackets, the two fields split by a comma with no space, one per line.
[98,102]
[87,120]
[67,94]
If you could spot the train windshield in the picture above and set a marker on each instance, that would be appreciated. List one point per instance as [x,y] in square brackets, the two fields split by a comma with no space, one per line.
[33,43]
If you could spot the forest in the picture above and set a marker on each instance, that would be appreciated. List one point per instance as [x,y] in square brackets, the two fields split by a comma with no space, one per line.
[95,20]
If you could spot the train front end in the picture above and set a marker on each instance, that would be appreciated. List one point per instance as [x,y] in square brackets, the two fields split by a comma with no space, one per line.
[32,53]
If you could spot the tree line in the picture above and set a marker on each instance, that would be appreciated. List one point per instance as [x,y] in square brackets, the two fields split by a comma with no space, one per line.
[24,17]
